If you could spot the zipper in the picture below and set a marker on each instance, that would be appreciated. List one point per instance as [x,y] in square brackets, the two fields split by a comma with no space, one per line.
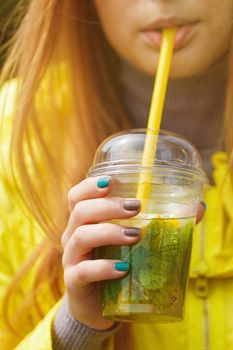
[206,286]
[202,286]
[206,323]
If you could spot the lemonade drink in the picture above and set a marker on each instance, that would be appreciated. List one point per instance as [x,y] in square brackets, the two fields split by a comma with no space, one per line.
[154,288]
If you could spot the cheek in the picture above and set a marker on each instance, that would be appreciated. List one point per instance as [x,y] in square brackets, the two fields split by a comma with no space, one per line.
[113,14]
[117,24]
[221,23]
[221,14]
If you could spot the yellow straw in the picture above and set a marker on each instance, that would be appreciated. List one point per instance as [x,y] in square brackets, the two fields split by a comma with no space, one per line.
[155,115]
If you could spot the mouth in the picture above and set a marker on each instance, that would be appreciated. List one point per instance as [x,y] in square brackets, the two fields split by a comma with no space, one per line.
[152,34]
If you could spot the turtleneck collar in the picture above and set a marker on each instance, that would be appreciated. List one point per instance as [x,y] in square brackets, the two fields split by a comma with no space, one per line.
[194,106]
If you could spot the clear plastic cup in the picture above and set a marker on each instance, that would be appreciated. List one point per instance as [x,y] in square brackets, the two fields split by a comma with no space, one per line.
[154,288]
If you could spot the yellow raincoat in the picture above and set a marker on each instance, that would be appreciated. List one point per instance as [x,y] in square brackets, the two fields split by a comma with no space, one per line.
[208,322]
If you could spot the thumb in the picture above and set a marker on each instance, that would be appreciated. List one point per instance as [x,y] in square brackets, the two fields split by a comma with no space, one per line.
[200,211]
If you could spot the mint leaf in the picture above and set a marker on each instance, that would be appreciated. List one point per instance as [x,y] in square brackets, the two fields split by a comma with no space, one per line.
[161,242]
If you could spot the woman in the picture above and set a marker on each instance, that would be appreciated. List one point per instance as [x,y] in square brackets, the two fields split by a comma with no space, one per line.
[85,71]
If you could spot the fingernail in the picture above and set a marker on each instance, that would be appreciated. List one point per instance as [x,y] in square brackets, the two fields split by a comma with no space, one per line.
[204,205]
[122,266]
[103,182]
[131,205]
[131,231]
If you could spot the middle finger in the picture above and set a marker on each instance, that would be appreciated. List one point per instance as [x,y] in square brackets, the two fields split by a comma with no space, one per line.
[100,209]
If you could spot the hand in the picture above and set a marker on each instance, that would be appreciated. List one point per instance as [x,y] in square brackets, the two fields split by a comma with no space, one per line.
[89,207]
[200,212]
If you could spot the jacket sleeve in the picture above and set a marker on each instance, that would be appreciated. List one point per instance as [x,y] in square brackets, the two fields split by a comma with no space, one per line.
[17,239]
[40,338]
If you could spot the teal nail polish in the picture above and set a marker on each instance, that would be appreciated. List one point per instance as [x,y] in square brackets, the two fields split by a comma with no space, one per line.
[122,266]
[103,182]
[204,205]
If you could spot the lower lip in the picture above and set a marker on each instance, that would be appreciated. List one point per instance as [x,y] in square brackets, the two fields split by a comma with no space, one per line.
[154,38]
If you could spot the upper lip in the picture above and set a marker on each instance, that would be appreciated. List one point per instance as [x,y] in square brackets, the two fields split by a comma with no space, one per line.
[168,23]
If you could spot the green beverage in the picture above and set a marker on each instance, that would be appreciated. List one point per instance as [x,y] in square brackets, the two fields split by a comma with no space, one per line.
[154,288]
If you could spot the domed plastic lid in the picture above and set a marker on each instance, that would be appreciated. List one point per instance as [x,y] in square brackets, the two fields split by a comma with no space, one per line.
[122,152]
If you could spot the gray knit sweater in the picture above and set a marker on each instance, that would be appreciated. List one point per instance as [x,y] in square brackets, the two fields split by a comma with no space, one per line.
[190,103]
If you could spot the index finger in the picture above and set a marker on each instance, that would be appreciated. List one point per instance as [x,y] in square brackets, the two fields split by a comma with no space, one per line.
[89,188]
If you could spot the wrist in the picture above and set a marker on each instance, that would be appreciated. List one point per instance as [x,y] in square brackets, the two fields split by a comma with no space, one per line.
[88,318]
[69,333]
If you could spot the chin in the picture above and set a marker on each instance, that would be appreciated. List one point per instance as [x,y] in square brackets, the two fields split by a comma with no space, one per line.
[182,69]
[186,64]
[186,61]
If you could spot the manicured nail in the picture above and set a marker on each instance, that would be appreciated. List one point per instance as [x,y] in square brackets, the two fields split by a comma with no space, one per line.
[131,205]
[204,205]
[122,266]
[131,231]
[103,182]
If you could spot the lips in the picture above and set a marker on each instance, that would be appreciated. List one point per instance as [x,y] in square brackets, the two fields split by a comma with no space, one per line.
[162,23]
[152,34]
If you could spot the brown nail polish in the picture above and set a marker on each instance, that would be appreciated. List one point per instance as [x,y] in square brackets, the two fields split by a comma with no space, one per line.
[131,205]
[131,231]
